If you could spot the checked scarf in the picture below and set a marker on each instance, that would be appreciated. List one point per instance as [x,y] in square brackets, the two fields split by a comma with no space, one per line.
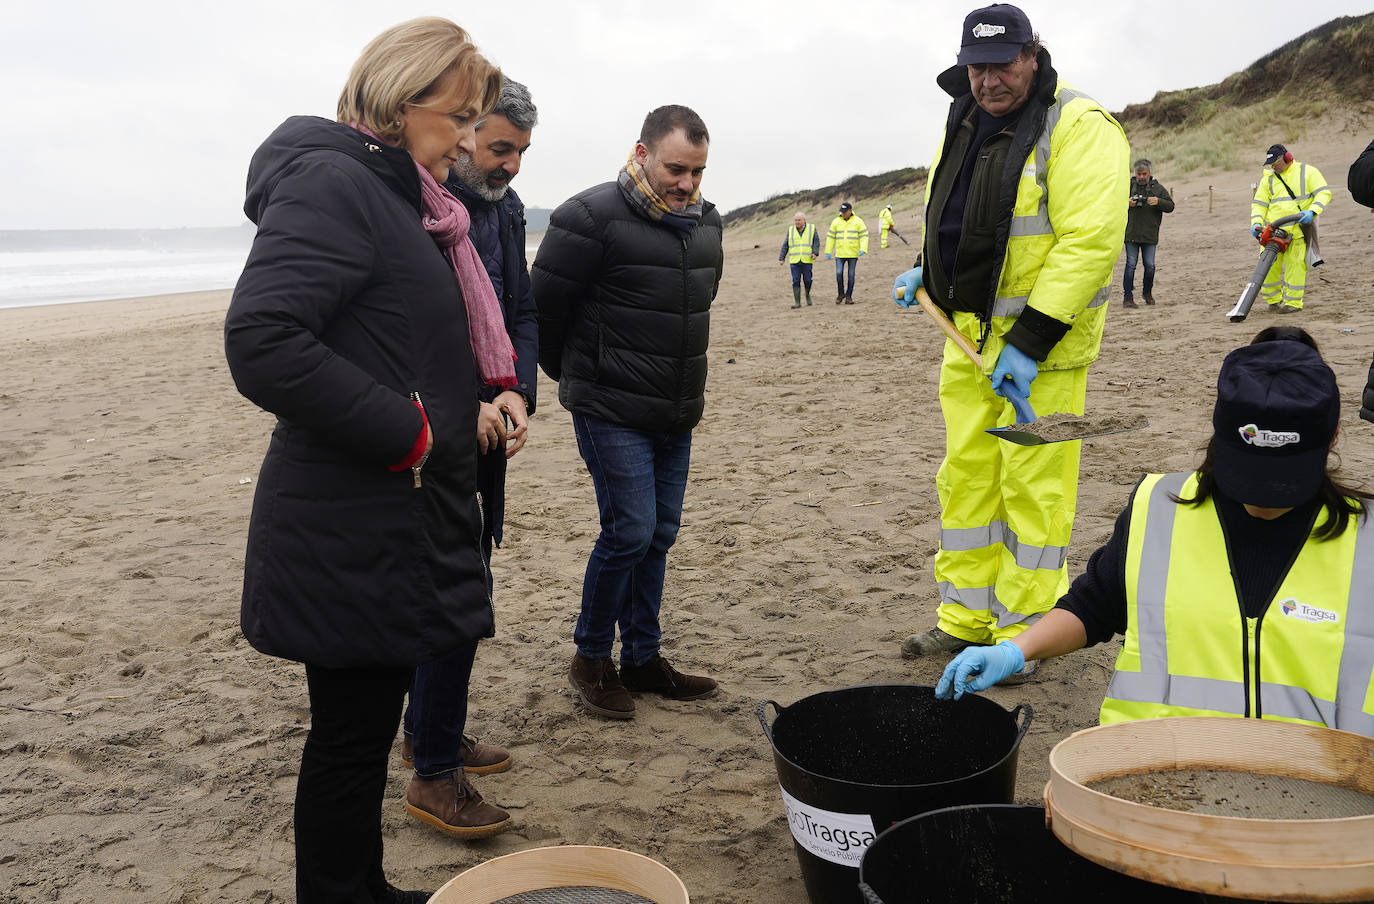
[634,185]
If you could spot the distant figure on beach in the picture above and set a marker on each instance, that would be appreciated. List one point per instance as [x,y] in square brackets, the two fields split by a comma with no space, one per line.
[364,554]
[434,743]
[1360,180]
[846,242]
[1145,208]
[886,224]
[1286,187]
[624,281]
[1247,568]
[1023,225]
[800,248]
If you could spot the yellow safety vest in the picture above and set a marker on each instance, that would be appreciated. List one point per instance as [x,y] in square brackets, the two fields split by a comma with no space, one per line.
[847,238]
[1189,649]
[1272,200]
[1061,265]
[799,244]
[885,218]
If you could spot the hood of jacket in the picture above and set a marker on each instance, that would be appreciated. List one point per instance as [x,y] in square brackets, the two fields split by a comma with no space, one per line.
[303,135]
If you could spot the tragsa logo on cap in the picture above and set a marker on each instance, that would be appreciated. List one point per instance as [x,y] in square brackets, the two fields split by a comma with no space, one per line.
[983,30]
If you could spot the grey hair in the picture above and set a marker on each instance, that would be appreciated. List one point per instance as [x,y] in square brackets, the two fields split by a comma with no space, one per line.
[516,105]
[1142,163]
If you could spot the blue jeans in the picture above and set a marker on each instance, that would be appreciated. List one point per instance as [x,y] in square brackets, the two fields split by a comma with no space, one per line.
[640,480]
[801,273]
[853,262]
[438,711]
[1147,281]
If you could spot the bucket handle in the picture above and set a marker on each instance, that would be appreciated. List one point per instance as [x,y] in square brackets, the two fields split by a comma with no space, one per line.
[1022,709]
[777,711]
[870,896]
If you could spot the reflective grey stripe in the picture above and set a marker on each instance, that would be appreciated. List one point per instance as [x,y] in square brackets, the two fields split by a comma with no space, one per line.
[1101,297]
[966,539]
[1152,582]
[1179,690]
[1009,305]
[981,599]
[1357,657]
[1295,703]
[1035,224]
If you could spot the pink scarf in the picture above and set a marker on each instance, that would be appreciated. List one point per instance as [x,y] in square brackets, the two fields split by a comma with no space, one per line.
[447,221]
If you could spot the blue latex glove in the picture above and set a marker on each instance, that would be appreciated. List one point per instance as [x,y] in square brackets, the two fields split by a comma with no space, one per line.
[979,668]
[1017,366]
[862,253]
[1307,217]
[908,282]
[830,257]
[1256,229]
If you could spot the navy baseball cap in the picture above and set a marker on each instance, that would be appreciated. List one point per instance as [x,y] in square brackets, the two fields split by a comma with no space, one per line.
[1277,410]
[1274,153]
[846,206]
[994,34]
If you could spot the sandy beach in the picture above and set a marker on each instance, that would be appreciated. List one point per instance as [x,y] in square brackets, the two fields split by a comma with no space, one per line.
[148,754]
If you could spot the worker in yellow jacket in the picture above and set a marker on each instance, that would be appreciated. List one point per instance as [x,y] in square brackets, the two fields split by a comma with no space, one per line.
[846,242]
[1024,269]
[800,248]
[1286,187]
[1241,588]
[887,224]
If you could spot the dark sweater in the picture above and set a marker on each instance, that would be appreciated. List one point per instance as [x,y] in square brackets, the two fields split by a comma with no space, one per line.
[1260,554]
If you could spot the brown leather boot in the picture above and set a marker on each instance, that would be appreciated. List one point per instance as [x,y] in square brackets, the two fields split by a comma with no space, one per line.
[452,805]
[657,677]
[598,684]
[478,758]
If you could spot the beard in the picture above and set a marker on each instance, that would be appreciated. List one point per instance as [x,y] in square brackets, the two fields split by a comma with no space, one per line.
[475,178]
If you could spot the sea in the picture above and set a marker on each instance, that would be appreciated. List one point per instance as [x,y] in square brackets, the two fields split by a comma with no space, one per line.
[63,266]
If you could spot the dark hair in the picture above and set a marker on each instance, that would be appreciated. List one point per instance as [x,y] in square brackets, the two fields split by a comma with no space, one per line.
[669,118]
[1286,331]
[1339,501]
[1032,47]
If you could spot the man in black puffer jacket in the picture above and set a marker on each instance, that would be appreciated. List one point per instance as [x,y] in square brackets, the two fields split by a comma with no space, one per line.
[623,282]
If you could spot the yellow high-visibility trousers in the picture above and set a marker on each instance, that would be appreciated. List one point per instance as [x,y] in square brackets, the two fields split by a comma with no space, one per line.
[882,236]
[1287,277]
[1006,511]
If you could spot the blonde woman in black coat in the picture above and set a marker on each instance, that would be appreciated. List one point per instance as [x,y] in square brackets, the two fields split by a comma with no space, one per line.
[351,323]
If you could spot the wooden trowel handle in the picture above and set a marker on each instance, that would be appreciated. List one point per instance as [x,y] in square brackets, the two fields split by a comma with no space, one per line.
[958,338]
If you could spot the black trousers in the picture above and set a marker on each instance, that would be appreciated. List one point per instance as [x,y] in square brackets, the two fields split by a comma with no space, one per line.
[354,714]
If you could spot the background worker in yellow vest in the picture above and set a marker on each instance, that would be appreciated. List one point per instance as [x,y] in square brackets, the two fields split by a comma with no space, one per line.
[887,224]
[846,242]
[800,248]
[1023,226]
[1243,588]
[1287,186]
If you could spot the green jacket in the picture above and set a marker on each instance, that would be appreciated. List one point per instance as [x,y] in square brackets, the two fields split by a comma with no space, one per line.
[1142,221]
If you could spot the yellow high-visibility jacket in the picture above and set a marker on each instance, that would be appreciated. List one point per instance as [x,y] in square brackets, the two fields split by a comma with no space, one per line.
[1065,228]
[1272,200]
[1189,649]
[847,238]
[800,247]
[885,220]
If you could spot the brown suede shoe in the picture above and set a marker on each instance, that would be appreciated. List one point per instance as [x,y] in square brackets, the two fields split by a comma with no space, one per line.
[657,677]
[1149,299]
[452,805]
[478,758]
[598,684]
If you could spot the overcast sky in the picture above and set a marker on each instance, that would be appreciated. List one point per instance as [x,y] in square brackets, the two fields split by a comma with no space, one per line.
[144,114]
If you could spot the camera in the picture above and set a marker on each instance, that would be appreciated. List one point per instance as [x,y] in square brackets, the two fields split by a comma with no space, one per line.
[1139,199]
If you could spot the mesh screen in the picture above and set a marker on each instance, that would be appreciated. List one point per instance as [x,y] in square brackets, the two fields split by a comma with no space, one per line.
[581,894]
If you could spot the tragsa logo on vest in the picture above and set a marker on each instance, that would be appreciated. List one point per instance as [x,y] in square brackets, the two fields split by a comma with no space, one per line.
[1302,612]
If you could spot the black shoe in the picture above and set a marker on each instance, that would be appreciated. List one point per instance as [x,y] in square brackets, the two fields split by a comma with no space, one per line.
[394,895]
[658,677]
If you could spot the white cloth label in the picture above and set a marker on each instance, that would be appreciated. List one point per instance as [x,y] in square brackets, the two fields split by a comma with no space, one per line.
[838,837]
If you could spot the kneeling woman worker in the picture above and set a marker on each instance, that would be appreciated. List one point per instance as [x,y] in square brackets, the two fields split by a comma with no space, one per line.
[1245,588]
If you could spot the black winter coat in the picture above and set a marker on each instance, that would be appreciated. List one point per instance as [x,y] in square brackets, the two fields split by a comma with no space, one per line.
[625,310]
[345,307]
[1360,179]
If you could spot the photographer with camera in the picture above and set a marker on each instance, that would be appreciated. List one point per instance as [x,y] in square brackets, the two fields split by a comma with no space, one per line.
[1148,202]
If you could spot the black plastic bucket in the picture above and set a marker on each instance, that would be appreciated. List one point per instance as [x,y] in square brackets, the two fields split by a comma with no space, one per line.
[992,855]
[852,762]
